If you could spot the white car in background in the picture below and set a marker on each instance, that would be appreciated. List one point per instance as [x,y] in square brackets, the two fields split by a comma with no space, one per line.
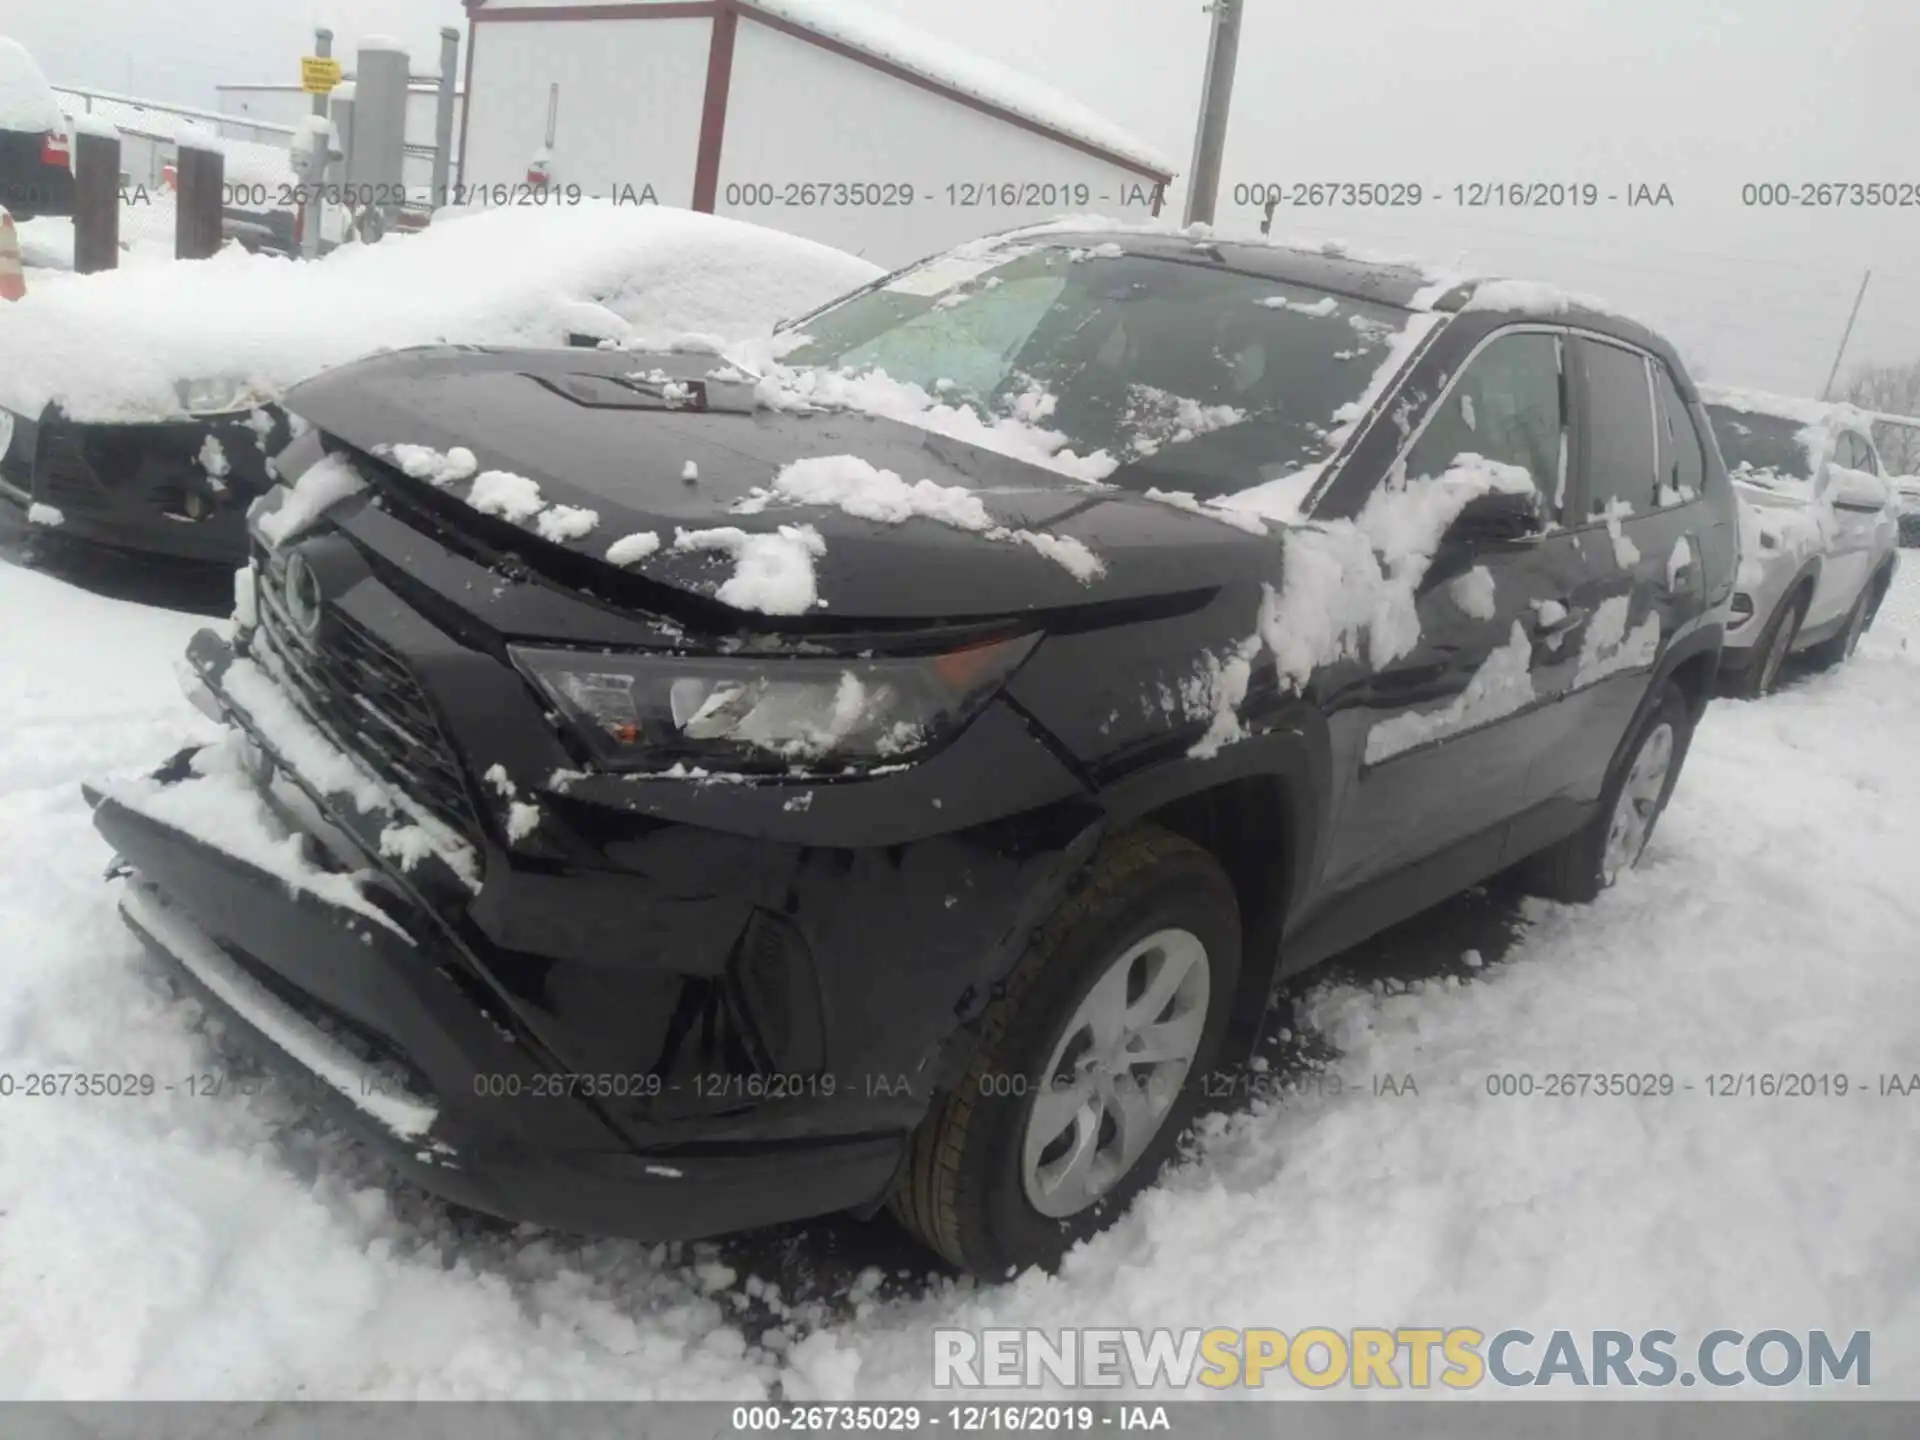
[1897,437]
[1818,531]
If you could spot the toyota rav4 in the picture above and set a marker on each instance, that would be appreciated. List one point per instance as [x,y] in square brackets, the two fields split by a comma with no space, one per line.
[669,793]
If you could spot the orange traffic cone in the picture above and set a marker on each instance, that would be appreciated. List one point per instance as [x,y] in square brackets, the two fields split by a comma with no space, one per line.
[13,282]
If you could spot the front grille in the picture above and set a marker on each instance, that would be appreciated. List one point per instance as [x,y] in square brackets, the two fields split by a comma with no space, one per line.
[363,696]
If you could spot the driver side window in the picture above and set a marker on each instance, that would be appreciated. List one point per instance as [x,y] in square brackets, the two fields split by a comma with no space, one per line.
[1506,405]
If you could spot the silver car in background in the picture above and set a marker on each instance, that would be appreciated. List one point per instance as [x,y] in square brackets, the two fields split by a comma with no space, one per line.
[1818,531]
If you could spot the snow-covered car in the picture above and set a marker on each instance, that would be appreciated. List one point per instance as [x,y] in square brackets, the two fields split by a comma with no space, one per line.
[666,794]
[142,402]
[36,158]
[1817,526]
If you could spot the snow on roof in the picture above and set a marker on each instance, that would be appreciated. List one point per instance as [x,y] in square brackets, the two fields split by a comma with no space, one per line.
[501,276]
[885,38]
[930,58]
[1832,414]
[26,100]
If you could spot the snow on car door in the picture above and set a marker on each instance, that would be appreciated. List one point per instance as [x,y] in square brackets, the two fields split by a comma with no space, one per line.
[1434,746]
[1634,509]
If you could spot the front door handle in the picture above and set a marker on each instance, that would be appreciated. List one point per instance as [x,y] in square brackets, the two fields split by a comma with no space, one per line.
[1570,618]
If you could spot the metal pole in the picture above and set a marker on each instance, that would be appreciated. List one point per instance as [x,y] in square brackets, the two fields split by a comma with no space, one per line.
[1216,97]
[96,202]
[323,47]
[1826,390]
[443,117]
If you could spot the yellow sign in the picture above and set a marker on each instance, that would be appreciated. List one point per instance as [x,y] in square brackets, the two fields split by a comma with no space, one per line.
[318,76]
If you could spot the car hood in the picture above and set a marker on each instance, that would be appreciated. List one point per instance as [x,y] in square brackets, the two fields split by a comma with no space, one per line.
[573,423]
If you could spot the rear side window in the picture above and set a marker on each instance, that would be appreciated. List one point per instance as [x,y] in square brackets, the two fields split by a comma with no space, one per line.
[1683,461]
[1506,406]
[1622,463]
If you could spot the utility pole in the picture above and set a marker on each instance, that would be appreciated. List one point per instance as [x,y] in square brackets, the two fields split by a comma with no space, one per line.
[1826,391]
[1216,98]
[322,47]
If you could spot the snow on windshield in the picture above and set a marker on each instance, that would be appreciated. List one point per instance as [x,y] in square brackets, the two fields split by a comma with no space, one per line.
[1186,379]
[113,346]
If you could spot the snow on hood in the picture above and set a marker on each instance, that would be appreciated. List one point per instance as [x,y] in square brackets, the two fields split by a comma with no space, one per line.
[1830,415]
[26,100]
[887,39]
[112,346]
[1021,435]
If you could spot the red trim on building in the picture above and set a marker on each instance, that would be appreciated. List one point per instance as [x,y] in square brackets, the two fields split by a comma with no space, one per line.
[726,14]
[713,108]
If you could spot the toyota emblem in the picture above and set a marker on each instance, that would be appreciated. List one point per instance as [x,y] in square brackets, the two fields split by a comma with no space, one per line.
[302,591]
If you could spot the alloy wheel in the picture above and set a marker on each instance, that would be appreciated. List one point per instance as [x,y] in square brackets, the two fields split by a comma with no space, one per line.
[1115,1072]
[1639,803]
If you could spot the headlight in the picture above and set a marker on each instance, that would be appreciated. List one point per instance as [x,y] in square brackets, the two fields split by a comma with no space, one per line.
[214,394]
[761,713]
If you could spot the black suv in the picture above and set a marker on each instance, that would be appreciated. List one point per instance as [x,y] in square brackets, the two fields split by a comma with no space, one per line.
[662,799]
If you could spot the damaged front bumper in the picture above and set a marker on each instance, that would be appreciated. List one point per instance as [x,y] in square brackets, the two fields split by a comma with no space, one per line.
[260,893]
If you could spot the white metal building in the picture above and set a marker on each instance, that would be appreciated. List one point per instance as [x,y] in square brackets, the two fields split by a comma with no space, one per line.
[810,116]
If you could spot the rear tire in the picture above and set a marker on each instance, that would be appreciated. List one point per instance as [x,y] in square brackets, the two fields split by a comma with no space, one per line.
[998,1178]
[1639,783]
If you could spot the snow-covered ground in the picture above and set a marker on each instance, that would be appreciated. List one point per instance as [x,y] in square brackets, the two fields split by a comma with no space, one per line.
[188,1245]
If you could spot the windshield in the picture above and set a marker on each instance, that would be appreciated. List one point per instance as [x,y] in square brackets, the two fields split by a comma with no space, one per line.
[1193,377]
[1761,446]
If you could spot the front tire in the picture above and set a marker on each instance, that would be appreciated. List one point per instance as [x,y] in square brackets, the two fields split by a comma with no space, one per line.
[1762,676]
[1830,654]
[1639,784]
[1088,1066]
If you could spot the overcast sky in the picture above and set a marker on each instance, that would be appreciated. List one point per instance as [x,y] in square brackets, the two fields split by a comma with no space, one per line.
[1700,95]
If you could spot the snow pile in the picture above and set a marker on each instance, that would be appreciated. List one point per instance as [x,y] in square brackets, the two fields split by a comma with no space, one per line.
[887,39]
[1020,435]
[632,549]
[1501,686]
[1184,500]
[503,276]
[1830,415]
[1347,587]
[1534,297]
[324,484]
[260,690]
[1155,418]
[772,573]
[27,102]
[848,483]
[218,1243]
[522,818]
[1608,647]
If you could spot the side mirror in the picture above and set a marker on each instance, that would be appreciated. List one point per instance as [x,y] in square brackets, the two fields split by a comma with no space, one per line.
[1856,490]
[1499,517]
